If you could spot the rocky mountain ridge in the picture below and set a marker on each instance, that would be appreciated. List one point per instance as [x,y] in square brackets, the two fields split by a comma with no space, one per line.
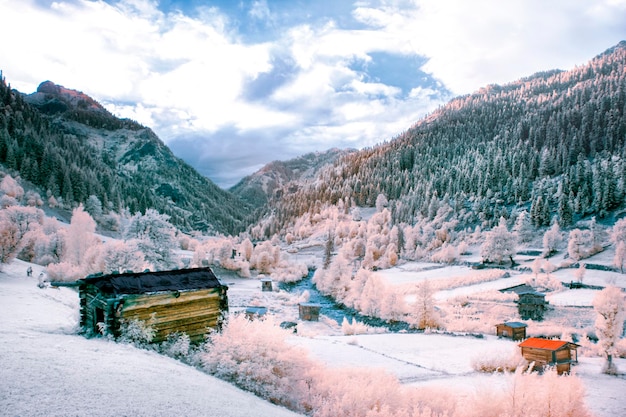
[66,143]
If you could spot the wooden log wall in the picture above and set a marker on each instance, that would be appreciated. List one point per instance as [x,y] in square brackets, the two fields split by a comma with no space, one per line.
[539,356]
[191,312]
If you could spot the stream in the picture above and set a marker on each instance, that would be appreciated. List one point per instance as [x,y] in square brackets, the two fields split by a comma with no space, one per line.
[337,311]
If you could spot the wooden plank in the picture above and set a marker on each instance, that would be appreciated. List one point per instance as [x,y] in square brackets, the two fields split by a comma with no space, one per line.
[191,323]
[173,306]
[562,355]
[536,355]
[148,300]
[176,315]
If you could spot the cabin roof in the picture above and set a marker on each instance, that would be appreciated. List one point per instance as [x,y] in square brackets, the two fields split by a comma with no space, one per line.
[518,288]
[546,344]
[513,324]
[145,282]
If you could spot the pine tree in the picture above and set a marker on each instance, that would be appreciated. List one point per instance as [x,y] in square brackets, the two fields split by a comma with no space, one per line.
[564,211]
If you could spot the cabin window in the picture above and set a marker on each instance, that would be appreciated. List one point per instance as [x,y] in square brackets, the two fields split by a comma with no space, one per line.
[505,333]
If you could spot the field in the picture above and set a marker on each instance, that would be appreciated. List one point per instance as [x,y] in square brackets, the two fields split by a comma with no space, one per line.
[443,359]
[50,370]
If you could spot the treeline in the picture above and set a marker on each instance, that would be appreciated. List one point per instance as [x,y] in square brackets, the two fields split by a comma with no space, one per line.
[552,143]
[126,166]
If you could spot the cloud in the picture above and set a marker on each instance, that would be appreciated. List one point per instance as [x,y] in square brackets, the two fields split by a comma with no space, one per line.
[260,10]
[238,84]
[470,44]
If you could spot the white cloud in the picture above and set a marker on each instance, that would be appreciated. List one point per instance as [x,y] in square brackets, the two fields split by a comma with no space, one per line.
[188,76]
[471,44]
[260,10]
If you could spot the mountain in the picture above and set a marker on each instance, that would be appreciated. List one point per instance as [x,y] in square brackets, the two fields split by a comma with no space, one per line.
[279,177]
[66,143]
[552,143]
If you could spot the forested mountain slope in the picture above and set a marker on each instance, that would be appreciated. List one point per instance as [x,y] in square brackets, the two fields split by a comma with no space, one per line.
[284,176]
[72,148]
[552,143]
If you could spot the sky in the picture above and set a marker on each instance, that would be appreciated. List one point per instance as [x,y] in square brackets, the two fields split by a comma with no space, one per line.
[232,85]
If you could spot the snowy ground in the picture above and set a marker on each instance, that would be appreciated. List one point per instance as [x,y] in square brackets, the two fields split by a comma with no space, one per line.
[48,370]
[434,360]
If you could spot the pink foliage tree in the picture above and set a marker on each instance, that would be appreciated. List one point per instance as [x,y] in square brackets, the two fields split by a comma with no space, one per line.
[499,244]
[610,308]
[80,236]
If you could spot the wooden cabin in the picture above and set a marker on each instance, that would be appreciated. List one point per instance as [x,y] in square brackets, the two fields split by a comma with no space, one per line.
[512,330]
[190,301]
[531,305]
[546,352]
[266,284]
[309,311]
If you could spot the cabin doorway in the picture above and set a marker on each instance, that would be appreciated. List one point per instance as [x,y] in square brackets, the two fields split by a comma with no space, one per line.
[99,325]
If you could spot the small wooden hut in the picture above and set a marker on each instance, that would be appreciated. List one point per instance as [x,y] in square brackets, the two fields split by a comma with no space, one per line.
[512,330]
[309,311]
[546,352]
[266,284]
[186,301]
[531,305]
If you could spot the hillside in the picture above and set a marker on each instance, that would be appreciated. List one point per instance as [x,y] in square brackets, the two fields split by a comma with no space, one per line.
[552,144]
[279,177]
[69,146]
[49,370]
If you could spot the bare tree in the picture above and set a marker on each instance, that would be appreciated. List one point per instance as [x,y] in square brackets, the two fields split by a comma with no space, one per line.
[424,307]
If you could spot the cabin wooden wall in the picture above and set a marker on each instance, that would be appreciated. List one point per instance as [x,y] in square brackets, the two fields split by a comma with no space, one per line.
[191,312]
[539,356]
[563,355]
[542,357]
[519,333]
[94,309]
[515,333]
[309,311]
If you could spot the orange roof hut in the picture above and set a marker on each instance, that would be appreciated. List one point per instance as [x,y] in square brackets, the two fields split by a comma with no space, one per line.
[547,352]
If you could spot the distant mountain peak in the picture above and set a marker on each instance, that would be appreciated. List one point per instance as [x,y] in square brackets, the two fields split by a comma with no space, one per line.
[52,98]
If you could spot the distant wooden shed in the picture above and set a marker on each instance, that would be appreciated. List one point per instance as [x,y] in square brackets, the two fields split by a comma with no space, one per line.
[309,311]
[512,330]
[266,284]
[187,301]
[531,305]
[546,352]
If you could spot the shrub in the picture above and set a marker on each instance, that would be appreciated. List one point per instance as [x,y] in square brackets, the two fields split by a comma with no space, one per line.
[531,394]
[255,356]
[177,345]
[499,361]
[354,328]
[137,332]
[64,272]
